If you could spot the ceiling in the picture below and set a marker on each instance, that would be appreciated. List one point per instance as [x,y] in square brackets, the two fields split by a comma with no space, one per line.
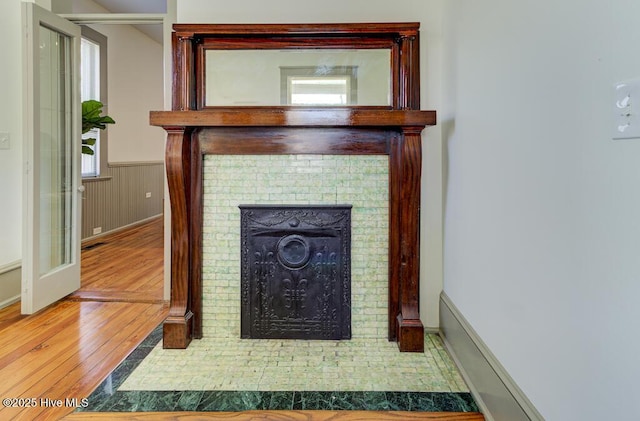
[139,6]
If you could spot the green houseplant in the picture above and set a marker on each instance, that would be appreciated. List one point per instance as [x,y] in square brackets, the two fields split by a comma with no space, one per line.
[91,119]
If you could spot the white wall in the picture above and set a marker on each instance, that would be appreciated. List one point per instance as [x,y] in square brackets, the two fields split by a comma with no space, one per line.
[542,206]
[135,86]
[11,122]
[429,14]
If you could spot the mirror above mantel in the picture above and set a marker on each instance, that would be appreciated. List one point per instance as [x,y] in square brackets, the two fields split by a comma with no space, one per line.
[334,89]
[302,77]
[362,64]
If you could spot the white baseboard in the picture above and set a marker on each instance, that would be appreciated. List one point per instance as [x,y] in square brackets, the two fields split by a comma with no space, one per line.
[9,301]
[497,395]
[10,283]
[119,229]
[10,267]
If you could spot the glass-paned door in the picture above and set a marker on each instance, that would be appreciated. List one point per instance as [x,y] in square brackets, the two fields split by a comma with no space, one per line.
[51,267]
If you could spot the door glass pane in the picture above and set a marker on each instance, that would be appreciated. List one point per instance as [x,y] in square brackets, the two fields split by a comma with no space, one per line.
[55,161]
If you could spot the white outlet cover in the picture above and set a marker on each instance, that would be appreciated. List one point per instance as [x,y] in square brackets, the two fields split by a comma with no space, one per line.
[626,109]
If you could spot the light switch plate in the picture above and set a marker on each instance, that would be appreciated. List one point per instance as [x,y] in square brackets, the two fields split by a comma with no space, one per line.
[626,109]
[5,140]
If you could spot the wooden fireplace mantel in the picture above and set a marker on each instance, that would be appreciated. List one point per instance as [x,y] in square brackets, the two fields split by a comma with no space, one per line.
[195,129]
[193,134]
[293,117]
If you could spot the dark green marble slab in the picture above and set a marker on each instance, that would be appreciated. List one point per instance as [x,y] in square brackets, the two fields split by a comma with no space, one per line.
[233,401]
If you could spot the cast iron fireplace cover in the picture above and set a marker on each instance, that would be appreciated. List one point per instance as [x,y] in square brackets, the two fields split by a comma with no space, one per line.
[295,271]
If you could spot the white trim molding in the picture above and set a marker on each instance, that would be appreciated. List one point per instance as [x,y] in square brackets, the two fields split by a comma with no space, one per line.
[10,283]
[10,267]
[115,18]
[496,393]
[134,163]
[9,301]
[89,240]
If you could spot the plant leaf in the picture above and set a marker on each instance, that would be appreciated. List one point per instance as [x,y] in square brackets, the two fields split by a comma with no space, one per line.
[91,118]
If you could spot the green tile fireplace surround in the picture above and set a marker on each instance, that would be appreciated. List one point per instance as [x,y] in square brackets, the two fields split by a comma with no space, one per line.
[361,181]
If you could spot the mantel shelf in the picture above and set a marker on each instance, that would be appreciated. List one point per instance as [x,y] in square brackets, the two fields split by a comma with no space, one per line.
[293,117]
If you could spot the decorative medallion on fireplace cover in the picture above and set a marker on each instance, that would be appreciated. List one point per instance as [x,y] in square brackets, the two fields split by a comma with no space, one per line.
[296,272]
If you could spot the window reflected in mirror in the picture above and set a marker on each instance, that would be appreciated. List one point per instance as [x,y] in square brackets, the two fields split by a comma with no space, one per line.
[319,86]
[309,77]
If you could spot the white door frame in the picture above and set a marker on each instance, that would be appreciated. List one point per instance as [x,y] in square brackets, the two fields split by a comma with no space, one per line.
[42,285]
[167,20]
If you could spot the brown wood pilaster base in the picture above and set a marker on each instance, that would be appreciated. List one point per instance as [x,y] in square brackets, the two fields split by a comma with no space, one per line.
[177,331]
[410,335]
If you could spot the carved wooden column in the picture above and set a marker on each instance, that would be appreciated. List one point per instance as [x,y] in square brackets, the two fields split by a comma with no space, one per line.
[177,328]
[183,73]
[405,164]
[410,331]
[183,164]
[409,69]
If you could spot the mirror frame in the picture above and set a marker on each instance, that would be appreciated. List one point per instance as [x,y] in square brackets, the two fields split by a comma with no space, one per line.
[191,41]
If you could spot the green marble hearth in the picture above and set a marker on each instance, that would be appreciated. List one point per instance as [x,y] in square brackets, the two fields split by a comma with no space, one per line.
[110,396]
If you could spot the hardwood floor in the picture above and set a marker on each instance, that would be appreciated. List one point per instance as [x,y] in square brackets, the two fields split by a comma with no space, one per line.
[138,249]
[66,350]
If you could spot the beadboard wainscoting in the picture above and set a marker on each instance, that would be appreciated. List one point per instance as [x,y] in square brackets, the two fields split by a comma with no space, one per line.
[119,198]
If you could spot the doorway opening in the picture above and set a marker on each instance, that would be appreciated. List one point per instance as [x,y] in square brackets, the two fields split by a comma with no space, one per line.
[123,200]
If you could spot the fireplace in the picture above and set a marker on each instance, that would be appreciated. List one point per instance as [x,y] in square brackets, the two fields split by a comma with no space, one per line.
[295,272]
[300,180]
[197,129]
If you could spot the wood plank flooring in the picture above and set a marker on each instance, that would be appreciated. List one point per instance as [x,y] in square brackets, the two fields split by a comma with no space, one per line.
[138,249]
[66,350]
